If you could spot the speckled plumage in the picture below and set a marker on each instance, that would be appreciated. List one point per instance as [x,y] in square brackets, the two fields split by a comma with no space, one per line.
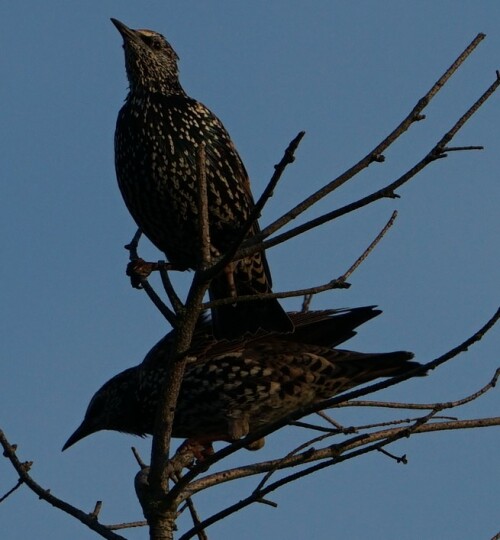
[232,388]
[158,135]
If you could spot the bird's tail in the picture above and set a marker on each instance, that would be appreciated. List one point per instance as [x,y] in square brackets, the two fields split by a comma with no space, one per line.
[359,368]
[329,327]
[234,320]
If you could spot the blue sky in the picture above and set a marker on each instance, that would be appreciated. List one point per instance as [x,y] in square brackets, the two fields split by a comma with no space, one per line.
[347,73]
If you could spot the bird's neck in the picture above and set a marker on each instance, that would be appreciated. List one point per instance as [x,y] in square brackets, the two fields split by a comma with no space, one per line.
[165,88]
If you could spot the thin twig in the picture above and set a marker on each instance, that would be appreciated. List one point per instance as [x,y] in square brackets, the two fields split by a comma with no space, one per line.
[11,491]
[403,459]
[132,246]
[138,458]
[351,429]
[337,283]
[306,303]
[97,510]
[443,143]
[294,452]
[203,218]
[266,502]
[447,149]
[169,289]
[279,169]
[192,510]
[464,346]
[371,247]
[131,525]
[333,422]
[157,301]
[287,159]
[202,535]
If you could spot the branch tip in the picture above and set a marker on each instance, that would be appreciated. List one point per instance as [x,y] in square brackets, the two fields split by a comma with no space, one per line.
[97,509]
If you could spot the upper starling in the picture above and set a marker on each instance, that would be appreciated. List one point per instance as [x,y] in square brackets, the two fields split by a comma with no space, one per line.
[158,135]
[232,388]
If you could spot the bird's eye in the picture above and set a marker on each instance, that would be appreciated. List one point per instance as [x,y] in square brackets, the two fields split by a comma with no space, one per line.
[156,44]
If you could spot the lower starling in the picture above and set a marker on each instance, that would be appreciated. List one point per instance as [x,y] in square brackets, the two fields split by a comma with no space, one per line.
[158,136]
[232,388]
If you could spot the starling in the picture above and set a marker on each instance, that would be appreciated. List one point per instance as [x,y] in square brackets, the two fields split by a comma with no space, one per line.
[232,388]
[158,135]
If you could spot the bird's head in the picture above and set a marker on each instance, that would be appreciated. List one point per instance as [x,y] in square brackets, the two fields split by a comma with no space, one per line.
[113,407]
[150,61]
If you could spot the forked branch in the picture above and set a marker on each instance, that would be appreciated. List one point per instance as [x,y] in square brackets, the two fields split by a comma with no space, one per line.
[415,115]
[22,469]
[337,283]
[438,151]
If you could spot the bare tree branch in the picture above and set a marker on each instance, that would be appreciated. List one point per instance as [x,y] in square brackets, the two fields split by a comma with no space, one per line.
[306,302]
[174,299]
[351,429]
[398,459]
[131,525]
[333,457]
[374,155]
[194,515]
[371,247]
[437,152]
[338,283]
[22,469]
[426,406]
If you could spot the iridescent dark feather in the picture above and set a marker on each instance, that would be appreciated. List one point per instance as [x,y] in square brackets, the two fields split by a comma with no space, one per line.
[232,388]
[158,135]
